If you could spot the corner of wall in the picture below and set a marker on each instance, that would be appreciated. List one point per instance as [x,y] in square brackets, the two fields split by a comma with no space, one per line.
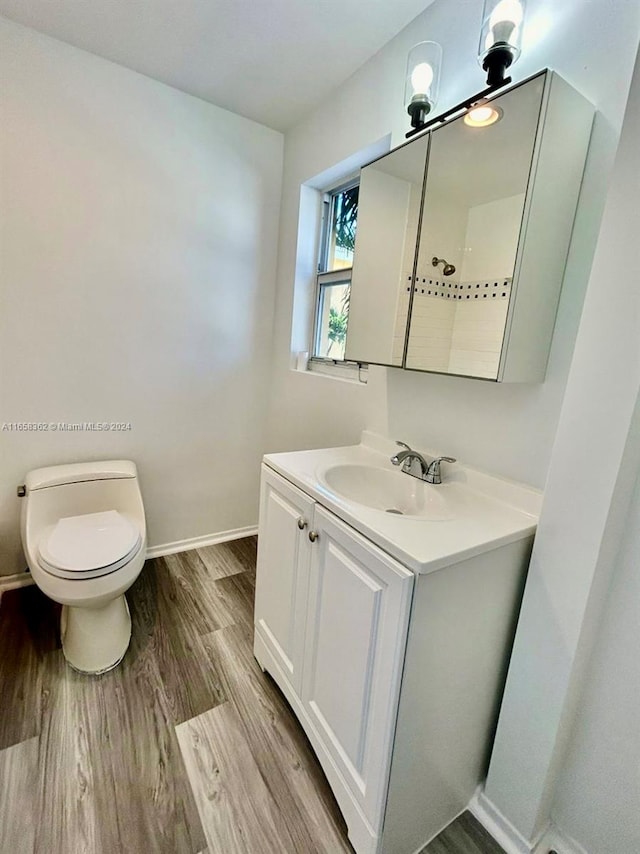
[499,826]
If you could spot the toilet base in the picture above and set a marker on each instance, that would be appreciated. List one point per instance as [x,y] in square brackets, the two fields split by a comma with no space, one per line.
[95,640]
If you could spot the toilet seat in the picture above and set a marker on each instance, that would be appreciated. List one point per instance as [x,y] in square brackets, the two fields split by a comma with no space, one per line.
[88,546]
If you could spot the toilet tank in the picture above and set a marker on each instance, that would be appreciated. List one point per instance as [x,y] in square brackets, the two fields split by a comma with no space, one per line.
[70,490]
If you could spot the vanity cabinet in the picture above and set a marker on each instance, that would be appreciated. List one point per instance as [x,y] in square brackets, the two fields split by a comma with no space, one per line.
[285,553]
[395,676]
[356,622]
[333,607]
[463,235]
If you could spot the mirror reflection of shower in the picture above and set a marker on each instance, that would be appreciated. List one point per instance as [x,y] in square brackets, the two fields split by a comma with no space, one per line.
[447,269]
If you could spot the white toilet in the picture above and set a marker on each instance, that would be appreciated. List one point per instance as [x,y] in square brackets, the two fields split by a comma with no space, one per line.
[84,535]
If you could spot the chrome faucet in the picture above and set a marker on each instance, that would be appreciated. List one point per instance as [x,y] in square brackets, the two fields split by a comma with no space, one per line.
[412,462]
[415,464]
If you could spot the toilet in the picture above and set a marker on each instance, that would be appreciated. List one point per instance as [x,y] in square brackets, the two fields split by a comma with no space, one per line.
[84,536]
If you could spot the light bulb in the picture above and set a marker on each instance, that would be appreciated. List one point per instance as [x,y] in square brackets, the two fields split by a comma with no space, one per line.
[508,11]
[482,116]
[421,82]
[505,18]
[422,78]
[500,38]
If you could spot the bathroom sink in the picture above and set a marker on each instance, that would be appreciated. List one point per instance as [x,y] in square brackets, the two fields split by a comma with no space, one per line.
[391,492]
[420,525]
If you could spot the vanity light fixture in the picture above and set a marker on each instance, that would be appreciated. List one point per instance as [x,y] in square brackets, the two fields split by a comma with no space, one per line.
[482,115]
[500,38]
[422,82]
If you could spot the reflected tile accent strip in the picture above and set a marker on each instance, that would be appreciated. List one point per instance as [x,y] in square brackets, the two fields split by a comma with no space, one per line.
[497,288]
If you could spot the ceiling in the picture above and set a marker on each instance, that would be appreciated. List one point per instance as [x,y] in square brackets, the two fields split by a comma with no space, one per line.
[269,60]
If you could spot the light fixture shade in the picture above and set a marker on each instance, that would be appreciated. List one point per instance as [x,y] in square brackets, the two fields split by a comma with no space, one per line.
[500,36]
[422,81]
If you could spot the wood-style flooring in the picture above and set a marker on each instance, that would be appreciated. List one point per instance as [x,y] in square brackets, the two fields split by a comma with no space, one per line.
[185,748]
[465,835]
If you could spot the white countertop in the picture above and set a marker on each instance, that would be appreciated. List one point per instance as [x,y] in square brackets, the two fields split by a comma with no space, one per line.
[487,511]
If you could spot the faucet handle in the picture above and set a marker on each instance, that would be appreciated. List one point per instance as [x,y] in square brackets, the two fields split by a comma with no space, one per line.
[433,474]
[403,445]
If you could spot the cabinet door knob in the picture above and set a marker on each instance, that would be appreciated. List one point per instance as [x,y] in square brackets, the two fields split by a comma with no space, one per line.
[313,536]
[302,523]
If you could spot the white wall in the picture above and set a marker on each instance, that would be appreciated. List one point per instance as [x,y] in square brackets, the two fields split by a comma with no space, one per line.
[490,245]
[491,240]
[597,795]
[507,429]
[441,236]
[138,230]
[591,477]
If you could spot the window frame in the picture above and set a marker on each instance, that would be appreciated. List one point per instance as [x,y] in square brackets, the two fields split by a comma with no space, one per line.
[326,278]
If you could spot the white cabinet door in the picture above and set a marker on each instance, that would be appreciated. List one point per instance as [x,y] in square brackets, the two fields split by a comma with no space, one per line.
[357,618]
[282,572]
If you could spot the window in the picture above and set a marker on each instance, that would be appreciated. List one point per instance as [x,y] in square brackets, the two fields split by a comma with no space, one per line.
[339,221]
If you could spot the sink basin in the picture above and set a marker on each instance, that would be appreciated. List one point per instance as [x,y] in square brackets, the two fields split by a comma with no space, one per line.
[391,492]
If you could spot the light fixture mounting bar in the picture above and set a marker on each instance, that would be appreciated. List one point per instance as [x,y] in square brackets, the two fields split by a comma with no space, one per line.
[463,106]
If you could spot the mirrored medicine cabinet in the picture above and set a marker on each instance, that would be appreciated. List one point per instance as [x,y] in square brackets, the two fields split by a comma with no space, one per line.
[462,239]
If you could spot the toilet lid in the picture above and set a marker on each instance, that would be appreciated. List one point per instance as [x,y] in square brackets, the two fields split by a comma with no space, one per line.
[93,541]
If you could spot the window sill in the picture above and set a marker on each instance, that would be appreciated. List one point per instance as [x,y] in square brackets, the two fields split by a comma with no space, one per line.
[351,372]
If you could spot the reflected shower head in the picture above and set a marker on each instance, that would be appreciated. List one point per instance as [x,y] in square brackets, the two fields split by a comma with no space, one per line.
[447,269]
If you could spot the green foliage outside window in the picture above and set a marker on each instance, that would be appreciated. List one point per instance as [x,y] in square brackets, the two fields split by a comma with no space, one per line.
[337,327]
[345,214]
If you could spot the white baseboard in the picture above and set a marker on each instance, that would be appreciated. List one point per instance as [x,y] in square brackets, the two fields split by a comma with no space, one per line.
[513,842]
[12,582]
[201,542]
[495,823]
[24,579]
[555,840]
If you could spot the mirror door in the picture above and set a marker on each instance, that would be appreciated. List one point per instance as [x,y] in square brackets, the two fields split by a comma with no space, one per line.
[473,208]
[389,209]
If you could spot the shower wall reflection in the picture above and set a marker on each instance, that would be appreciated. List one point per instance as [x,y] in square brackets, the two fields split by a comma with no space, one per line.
[472,215]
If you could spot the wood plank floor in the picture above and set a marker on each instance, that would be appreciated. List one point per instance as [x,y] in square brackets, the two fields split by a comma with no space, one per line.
[125,762]
[185,748]
[465,835]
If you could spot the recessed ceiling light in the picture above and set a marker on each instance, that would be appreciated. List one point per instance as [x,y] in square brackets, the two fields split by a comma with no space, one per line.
[482,116]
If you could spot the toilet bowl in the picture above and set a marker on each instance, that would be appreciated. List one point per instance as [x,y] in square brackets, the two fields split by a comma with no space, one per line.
[84,536]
